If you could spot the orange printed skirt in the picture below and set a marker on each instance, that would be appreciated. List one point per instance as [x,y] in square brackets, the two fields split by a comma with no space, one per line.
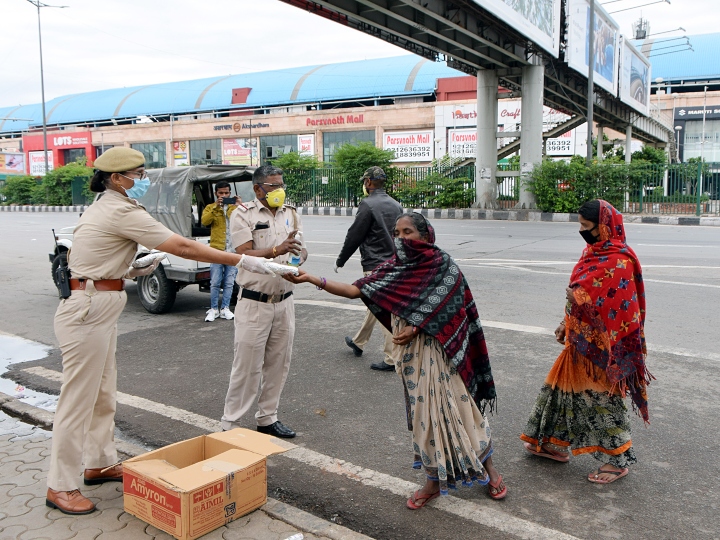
[577,409]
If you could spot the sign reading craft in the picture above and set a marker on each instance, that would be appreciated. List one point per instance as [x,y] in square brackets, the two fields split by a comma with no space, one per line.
[606,46]
[539,20]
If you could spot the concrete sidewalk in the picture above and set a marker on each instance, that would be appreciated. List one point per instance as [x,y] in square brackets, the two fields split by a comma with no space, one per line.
[24,461]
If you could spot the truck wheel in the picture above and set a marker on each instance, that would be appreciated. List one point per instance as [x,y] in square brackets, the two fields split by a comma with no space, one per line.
[59,258]
[157,293]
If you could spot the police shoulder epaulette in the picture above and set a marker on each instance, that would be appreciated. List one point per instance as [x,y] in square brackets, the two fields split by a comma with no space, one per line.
[290,206]
[244,208]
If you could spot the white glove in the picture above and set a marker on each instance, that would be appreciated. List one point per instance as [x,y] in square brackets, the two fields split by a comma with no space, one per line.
[335,267]
[257,265]
[144,271]
[148,259]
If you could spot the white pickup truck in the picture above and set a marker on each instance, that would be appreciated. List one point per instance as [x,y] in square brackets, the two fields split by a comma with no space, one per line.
[176,198]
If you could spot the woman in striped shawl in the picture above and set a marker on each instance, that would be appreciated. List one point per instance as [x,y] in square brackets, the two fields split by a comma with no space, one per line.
[423,298]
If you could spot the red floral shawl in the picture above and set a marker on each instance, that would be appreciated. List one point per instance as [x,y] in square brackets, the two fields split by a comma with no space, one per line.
[423,285]
[606,321]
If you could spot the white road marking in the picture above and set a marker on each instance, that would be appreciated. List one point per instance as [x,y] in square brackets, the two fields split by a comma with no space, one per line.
[144,404]
[320,242]
[483,513]
[682,283]
[528,330]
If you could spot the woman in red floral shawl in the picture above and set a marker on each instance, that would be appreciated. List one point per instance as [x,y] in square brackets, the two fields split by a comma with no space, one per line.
[421,295]
[581,408]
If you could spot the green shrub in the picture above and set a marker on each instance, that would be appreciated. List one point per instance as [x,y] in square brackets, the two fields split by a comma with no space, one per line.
[434,191]
[298,174]
[20,189]
[352,160]
[56,188]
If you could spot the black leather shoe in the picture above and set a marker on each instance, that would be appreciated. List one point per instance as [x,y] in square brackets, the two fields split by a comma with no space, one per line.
[357,350]
[382,366]
[277,430]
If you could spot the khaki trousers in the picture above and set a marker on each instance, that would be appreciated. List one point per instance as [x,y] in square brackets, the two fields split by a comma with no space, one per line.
[84,425]
[365,331]
[263,347]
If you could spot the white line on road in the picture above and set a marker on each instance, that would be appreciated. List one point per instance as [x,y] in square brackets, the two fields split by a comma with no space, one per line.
[529,330]
[676,245]
[484,514]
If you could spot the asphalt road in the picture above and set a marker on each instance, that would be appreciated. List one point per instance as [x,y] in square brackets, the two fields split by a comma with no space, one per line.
[343,410]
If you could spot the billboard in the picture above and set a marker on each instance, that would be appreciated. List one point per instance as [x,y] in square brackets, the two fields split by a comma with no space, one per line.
[564,145]
[538,20]
[634,78]
[12,163]
[306,145]
[239,151]
[410,145]
[606,45]
[37,162]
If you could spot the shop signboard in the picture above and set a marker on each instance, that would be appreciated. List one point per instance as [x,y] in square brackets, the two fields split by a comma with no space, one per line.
[564,145]
[12,163]
[181,154]
[539,20]
[306,145]
[238,152]
[606,45]
[410,146]
[37,163]
[634,78]
[462,143]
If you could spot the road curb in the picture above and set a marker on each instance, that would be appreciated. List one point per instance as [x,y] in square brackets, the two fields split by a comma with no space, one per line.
[516,215]
[447,213]
[275,509]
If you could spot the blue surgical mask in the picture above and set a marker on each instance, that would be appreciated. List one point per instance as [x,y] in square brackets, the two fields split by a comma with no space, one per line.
[140,187]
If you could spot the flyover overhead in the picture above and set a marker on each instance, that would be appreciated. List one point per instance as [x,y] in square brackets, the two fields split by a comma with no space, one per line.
[470,38]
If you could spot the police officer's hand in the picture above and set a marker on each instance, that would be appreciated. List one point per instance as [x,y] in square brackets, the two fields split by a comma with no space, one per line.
[289,245]
[303,256]
[144,271]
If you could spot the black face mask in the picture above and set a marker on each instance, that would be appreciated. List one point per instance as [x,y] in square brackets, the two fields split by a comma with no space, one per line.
[588,236]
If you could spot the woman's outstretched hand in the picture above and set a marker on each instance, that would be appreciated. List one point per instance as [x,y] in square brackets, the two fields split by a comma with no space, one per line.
[560,334]
[404,337]
[302,277]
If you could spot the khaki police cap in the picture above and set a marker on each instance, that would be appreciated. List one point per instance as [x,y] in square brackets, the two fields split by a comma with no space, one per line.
[374,173]
[120,159]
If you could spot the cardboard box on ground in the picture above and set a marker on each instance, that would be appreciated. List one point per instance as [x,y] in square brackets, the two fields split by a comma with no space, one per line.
[190,488]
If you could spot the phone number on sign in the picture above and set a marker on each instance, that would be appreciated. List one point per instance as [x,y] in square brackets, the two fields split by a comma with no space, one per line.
[413,152]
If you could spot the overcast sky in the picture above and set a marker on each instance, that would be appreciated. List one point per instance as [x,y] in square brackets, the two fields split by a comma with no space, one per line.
[99,44]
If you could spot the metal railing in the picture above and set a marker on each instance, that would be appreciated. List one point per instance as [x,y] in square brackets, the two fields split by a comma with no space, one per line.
[636,189]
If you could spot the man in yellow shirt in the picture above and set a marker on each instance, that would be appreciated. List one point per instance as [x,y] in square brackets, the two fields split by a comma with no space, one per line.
[217,217]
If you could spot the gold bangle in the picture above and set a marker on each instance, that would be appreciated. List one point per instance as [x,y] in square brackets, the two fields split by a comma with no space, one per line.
[274,252]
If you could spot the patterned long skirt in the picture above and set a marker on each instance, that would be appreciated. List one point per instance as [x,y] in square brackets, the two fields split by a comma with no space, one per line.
[451,437]
[576,410]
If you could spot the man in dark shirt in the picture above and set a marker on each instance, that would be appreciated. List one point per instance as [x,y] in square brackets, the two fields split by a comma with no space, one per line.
[372,232]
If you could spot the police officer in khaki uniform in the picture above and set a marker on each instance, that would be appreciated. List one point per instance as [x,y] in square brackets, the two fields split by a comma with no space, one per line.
[265,313]
[105,242]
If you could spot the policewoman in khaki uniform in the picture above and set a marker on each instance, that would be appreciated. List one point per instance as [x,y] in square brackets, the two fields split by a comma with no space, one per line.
[105,242]
[265,313]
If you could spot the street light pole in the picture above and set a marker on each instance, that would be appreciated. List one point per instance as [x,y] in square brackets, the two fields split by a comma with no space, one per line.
[39,5]
[591,89]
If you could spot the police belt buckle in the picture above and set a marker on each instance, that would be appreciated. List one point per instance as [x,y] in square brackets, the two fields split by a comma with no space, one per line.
[275,298]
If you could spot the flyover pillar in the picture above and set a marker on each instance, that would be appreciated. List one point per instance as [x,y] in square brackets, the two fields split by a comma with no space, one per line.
[600,143]
[628,143]
[486,158]
[531,131]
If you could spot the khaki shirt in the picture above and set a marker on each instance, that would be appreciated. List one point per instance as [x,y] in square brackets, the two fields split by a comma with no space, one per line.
[244,227]
[107,235]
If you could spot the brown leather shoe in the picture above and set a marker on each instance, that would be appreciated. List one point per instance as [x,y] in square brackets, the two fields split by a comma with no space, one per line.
[97,476]
[69,502]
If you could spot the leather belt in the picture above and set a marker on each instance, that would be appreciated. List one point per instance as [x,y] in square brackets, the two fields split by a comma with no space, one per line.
[262,297]
[101,285]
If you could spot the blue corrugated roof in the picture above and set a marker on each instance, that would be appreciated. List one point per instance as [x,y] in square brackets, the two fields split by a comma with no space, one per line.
[701,63]
[385,77]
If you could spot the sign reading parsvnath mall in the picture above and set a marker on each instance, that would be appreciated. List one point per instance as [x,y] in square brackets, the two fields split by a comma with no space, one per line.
[340,119]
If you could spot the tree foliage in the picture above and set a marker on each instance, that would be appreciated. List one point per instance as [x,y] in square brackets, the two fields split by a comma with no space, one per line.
[56,188]
[20,190]
[354,159]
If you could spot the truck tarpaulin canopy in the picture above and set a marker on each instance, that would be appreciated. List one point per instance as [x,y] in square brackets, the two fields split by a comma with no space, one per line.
[169,198]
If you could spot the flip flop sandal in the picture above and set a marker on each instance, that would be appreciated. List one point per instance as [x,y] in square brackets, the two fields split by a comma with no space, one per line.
[595,477]
[497,491]
[555,456]
[416,502]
